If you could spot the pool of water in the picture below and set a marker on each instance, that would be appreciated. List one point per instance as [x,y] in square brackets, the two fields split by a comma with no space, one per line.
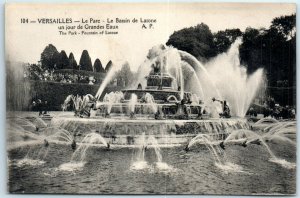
[244,171]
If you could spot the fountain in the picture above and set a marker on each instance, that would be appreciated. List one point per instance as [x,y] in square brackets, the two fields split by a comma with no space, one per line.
[174,88]
[225,78]
[130,140]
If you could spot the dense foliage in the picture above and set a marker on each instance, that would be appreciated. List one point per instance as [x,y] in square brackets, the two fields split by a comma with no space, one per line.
[125,77]
[20,96]
[223,39]
[49,57]
[108,66]
[98,66]
[85,61]
[197,40]
[63,60]
[273,49]
[72,62]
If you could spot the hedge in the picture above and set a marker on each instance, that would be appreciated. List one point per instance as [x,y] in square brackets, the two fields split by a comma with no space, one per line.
[20,95]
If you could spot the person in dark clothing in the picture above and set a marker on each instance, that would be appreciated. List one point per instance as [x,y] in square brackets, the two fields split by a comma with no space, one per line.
[45,107]
[33,106]
[272,103]
[39,107]
[285,112]
[252,112]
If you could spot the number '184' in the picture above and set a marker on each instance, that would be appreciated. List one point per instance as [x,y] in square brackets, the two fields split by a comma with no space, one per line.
[23,20]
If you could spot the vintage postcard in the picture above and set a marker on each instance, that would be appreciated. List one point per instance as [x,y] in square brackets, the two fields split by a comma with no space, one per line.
[151,98]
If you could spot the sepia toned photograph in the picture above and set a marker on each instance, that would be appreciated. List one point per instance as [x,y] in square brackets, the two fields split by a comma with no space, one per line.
[151,98]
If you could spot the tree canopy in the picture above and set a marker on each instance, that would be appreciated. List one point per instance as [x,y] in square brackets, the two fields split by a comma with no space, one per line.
[85,61]
[98,66]
[72,62]
[49,57]
[108,66]
[125,76]
[285,25]
[223,39]
[62,61]
[273,48]
[197,40]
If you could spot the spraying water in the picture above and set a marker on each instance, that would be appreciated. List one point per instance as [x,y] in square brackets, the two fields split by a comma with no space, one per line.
[109,76]
[219,156]
[231,78]
[88,141]
[144,144]
[149,99]
[132,102]
[281,132]
[59,134]
[208,142]
[201,69]
[244,137]
[110,99]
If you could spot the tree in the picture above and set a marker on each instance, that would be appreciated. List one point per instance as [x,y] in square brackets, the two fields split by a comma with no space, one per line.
[49,57]
[125,76]
[34,70]
[85,61]
[223,39]
[72,62]
[98,66]
[62,61]
[285,25]
[108,66]
[273,49]
[251,49]
[197,41]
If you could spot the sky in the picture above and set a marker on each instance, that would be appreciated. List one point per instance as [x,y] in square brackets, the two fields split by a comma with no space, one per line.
[25,42]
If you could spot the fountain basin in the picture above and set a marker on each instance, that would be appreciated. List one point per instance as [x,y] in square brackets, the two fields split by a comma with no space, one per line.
[107,172]
[125,131]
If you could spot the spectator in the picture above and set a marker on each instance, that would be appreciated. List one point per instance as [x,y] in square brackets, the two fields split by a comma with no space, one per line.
[45,107]
[40,107]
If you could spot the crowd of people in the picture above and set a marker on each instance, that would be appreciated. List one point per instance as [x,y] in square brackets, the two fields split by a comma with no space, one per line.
[282,83]
[40,106]
[61,77]
[273,109]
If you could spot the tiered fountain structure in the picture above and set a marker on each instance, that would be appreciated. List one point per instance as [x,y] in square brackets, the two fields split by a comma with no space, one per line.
[169,101]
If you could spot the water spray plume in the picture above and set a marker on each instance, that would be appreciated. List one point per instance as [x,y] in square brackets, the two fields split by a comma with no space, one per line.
[109,76]
[232,81]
